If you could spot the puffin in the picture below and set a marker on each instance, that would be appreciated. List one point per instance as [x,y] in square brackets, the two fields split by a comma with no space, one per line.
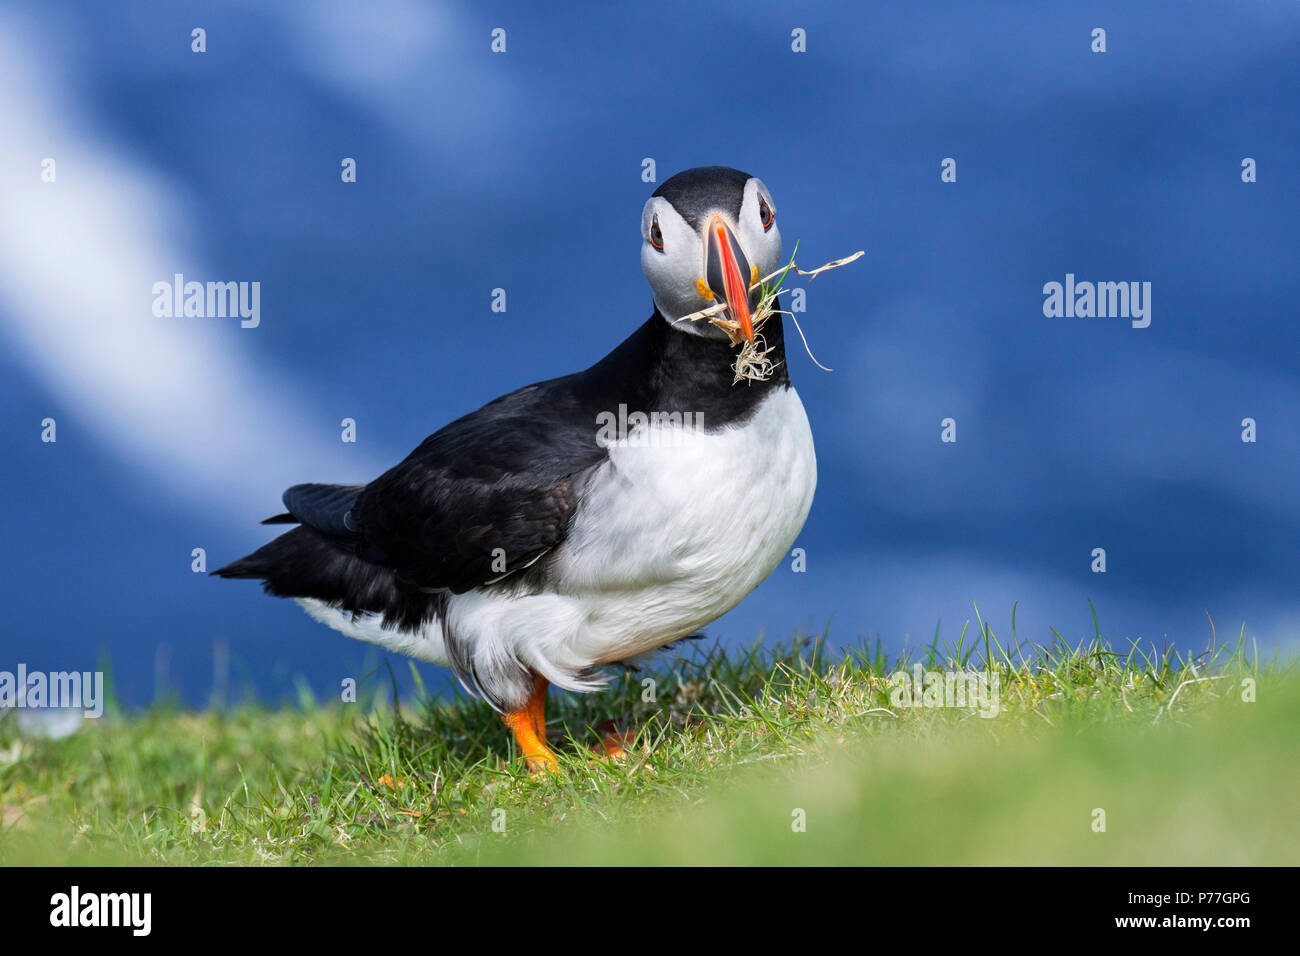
[585,520]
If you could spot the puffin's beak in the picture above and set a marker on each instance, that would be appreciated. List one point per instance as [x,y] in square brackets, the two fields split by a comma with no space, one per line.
[728,273]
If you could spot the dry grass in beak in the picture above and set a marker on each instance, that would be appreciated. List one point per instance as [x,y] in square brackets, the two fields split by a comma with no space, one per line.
[752,364]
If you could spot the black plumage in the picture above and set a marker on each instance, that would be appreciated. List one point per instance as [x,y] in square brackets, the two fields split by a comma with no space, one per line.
[694,193]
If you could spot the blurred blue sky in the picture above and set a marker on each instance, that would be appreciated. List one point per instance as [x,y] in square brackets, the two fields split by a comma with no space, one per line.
[523,171]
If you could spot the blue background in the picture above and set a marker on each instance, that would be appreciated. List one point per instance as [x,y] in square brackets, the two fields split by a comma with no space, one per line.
[523,171]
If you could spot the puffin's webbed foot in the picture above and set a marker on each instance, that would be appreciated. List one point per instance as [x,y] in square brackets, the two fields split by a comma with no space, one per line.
[529,727]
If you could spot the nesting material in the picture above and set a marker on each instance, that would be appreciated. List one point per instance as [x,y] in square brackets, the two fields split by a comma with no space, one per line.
[752,363]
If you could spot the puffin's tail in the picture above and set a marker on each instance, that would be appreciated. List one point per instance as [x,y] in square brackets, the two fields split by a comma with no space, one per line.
[299,563]
[305,563]
[318,560]
[315,560]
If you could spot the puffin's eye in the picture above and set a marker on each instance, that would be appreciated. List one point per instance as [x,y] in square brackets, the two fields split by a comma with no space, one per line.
[765,213]
[656,237]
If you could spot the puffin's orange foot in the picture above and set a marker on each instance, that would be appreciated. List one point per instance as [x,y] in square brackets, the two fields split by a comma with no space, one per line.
[529,727]
[543,761]
[613,742]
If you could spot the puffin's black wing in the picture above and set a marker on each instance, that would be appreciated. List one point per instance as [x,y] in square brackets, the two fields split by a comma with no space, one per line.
[479,499]
[323,507]
[483,497]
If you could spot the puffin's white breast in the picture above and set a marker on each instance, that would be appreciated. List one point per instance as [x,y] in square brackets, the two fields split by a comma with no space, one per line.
[679,525]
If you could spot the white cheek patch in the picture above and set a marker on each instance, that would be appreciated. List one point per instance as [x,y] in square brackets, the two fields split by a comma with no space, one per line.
[685,252]
[672,272]
[762,245]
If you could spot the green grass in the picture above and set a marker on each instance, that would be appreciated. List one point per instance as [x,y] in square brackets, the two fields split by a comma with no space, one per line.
[734,748]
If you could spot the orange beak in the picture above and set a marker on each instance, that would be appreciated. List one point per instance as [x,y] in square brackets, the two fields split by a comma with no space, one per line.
[727,273]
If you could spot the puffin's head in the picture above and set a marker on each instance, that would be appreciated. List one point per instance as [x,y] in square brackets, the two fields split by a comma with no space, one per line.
[708,235]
